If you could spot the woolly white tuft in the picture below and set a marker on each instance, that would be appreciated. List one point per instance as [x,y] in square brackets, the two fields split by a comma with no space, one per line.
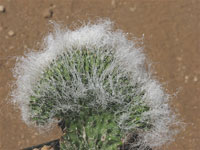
[29,68]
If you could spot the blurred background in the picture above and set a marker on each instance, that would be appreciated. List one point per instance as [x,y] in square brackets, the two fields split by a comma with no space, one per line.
[171,31]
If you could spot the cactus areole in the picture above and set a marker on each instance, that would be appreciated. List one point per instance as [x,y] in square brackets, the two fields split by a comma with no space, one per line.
[94,80]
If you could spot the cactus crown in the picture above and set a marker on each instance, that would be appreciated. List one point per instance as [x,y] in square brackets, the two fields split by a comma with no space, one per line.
[91,73]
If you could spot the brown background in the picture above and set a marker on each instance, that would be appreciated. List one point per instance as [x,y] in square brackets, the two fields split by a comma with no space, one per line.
[171,31]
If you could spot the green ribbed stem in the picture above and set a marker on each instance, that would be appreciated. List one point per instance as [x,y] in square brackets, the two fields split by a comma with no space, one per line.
[92,132]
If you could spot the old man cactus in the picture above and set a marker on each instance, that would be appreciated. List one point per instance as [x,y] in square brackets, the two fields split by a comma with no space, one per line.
[94,80]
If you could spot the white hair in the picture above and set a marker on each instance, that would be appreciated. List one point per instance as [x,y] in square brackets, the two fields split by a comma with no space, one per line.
[28,70]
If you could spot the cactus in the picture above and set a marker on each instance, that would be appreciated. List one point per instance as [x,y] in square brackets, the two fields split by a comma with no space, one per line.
[94,80]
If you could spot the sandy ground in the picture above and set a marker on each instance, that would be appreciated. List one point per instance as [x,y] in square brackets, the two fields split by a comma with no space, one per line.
[171,31]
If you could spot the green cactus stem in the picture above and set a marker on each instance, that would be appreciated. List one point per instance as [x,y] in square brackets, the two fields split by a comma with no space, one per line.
[92,132]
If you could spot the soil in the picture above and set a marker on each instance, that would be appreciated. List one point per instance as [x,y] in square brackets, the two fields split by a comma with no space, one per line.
[171,30]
